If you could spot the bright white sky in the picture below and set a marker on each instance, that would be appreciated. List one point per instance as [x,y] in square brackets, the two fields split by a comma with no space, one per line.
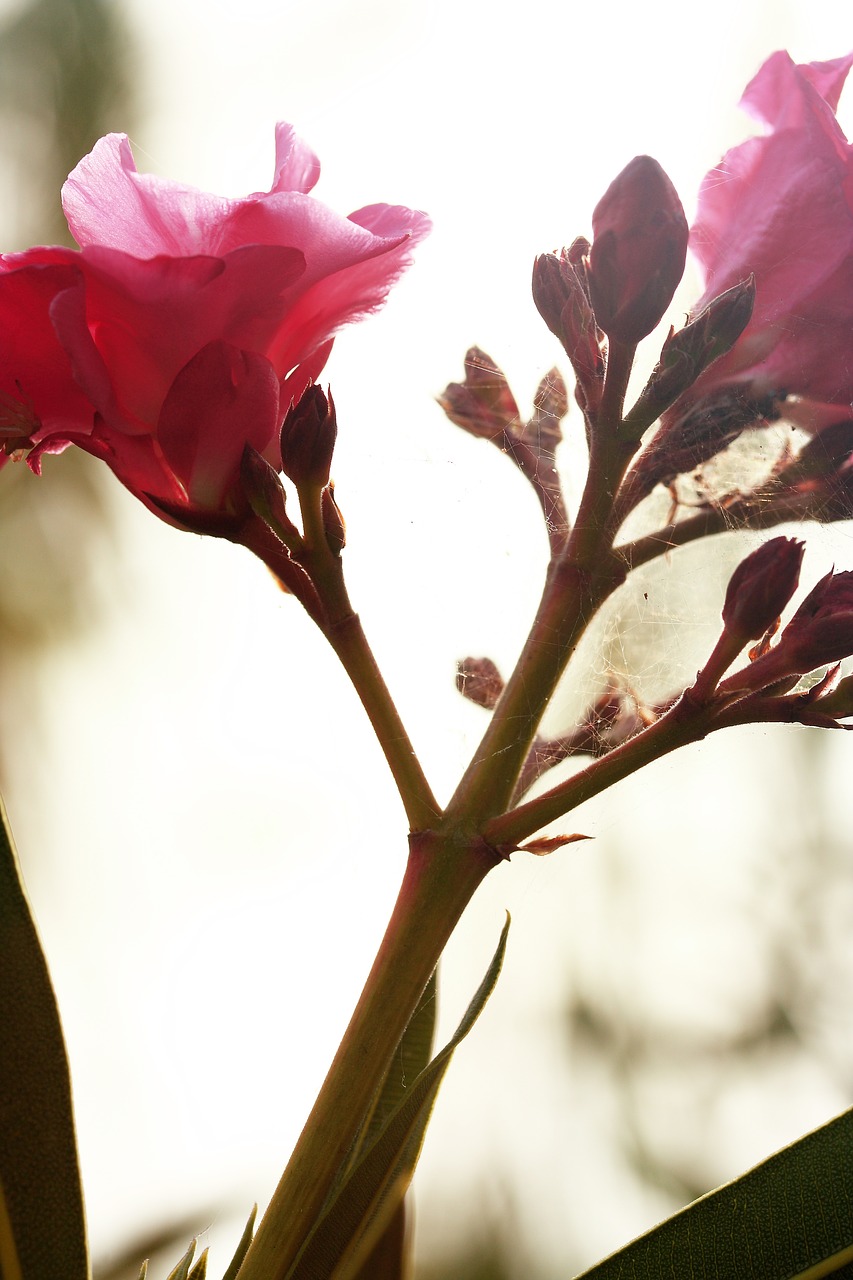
[208,825]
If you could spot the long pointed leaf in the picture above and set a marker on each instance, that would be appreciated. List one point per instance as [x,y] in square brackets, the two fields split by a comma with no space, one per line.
[412,1056]
[182,1270]
[42,1224]
[242,1248]
[789,1218]
[376,1186]
[382,1251]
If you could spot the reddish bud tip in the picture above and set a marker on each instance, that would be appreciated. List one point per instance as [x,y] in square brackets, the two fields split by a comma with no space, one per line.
[638,252]
[308,439]
[761,586]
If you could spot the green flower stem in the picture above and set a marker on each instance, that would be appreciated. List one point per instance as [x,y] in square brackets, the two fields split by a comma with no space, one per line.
[442,874]
[346,636]
[579,580]
[349,642]
[686,721]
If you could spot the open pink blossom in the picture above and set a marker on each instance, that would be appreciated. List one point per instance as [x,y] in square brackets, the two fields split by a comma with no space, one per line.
[780,206]
[186,323]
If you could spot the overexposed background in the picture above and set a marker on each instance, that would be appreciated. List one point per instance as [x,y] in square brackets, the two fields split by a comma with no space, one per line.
[186,770]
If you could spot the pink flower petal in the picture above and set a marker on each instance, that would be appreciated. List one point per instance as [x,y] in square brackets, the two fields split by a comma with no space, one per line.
[222,400]
[781,206]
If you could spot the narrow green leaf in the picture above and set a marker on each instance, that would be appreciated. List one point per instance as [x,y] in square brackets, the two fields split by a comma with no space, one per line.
[199,1271]
[42,1223]
[412,1056]
[382,1250]
[367,1201]
[387,1258]
[789,1218]
[182,1270]
[143,1270]
[242,1248]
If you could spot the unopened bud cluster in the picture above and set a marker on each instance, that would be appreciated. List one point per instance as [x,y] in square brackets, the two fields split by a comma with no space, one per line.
[617,289]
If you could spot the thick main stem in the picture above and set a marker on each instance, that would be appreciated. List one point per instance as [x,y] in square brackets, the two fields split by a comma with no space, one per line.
[442,874]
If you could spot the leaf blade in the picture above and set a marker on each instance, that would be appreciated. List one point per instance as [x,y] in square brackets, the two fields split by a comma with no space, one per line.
[42,1220]
[376,1185]
[789,1218]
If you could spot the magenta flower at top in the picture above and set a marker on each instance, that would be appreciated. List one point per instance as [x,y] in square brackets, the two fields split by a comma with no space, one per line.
[781,206]
[186,324]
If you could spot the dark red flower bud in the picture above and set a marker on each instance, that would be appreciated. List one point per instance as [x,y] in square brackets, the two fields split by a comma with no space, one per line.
[821,631]
[308,439]
[819,634]
[688,352]
[638,251]
[560,294]
[761,586]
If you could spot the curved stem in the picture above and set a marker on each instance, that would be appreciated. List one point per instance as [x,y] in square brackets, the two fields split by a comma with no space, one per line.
[349,642]
[326,599]
[442,874]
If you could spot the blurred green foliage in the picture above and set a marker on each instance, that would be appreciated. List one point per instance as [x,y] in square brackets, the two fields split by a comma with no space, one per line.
[65,79]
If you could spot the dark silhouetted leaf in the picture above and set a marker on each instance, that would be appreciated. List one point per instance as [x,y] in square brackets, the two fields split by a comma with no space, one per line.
[42,1224]
[790,1218]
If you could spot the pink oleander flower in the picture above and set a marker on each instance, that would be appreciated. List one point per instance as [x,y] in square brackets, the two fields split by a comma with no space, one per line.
[186,324]
[780,206]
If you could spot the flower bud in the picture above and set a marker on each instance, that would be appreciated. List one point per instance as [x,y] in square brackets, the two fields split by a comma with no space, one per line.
[560,294]
[638,252]
[308,438]
[684,441]
[821,631]
[265,495]
[761,586]
[838,703]
[483,404]
[479,680]
[819,635]
[688,352]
